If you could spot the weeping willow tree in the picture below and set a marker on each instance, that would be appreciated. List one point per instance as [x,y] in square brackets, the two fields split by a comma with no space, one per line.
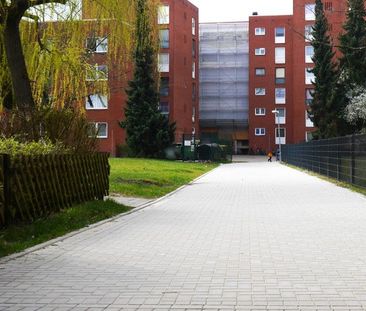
[44,55]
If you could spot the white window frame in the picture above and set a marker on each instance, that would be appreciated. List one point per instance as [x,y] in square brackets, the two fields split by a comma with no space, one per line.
[278,135]
[260,111]
[193,26]
[163,14]
[309,10]
[307,134]
[280,39]
[308,122]
[97,73]
[101,45]
[96,124]
[280,69]
[95,98]
[280,99]
[308,57]
[163,67]
[280,58]
[260,131]
[260,51]
[259,69]
[194,70]
[309,77]
[260,91]
[308,33]
[260,31]
[280,119]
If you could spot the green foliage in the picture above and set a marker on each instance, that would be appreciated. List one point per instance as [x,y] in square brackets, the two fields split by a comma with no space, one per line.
[148,132]
[152,178]
[352,44]
[66,126]
[16,238]
[13,147]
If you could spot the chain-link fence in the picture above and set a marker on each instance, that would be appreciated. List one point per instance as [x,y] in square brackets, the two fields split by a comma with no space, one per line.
[342,158]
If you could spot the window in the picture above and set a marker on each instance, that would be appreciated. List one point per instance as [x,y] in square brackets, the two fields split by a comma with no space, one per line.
[260,71]
[96,102]
[164,38]
[193,26]
[308,96]
[280,96]
[280,116]
[98,129]
[280,35]
[280,136]
[194,48]
[260,131]
[163,62]
[308,121]
[260,111]
[328,6]
[309,53]
[309,136]
[164,108]
[310,12]
[163,15]
[260,91]
[164,86]
[280,76]
[193,116]
[194,90]
[97,44]
[308,34]
[193,70]
[280,55]
[309,76]
[260,31]
[260,51]
[97,73]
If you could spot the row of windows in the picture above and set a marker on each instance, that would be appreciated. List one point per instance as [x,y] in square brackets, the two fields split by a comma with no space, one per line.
[280,118]
[280,54]
[279,33]
[280,94]
[164,88]
[164,17]
[281,133]
[163,64]
[280,74]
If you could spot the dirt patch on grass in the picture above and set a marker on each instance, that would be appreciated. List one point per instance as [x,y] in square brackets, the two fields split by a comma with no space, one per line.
[141,182]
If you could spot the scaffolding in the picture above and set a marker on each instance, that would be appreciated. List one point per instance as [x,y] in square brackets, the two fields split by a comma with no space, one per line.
[224,76]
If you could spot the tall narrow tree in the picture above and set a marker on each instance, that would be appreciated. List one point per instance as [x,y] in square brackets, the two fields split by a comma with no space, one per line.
[148,131]
[322,108]
[352,45]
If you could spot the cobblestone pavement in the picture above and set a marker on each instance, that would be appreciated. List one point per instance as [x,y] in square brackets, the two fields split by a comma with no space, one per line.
[248,236]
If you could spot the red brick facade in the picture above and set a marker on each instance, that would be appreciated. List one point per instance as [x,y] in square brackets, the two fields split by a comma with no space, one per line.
[183,104]
[296,126]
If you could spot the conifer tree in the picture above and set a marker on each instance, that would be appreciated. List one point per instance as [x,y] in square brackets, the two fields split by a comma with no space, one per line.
[148,131]
[322,107]
[352,44]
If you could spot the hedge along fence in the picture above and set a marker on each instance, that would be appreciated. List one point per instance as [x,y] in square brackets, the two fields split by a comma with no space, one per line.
[35,186]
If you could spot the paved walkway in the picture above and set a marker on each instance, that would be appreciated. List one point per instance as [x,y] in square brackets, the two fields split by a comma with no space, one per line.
[248,236]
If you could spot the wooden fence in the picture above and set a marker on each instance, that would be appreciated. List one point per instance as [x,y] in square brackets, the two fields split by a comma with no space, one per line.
[35,186]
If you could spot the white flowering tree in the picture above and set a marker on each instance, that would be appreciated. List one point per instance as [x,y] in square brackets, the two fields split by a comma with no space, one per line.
[355,112]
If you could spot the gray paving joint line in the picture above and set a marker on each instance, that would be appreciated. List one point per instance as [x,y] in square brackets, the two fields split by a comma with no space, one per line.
[98,224]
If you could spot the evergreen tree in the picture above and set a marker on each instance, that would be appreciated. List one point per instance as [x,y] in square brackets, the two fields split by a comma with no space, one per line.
[322,107]
[148,131]
[352,45]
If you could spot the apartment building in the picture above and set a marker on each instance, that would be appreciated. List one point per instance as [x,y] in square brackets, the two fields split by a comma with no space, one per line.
[179,73]
[280,84]
[224,76]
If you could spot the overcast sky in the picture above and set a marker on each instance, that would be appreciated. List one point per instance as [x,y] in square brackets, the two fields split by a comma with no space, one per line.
[240,10]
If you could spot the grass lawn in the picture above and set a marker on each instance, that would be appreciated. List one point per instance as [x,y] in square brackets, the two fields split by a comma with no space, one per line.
[152,178]
[16,238]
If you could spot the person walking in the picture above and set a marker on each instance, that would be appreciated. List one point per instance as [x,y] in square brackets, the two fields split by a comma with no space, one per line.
[270,155]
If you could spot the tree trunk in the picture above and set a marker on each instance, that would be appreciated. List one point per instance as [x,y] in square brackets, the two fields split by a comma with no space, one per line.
[22,91]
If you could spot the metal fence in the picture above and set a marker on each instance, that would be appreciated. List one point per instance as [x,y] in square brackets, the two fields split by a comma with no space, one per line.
[342,158]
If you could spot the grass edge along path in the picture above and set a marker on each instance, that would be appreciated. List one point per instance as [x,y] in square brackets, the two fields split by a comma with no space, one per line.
[18,237]
[336,182]
[147,178]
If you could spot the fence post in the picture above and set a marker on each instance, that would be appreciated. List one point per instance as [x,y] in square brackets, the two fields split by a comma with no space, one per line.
[7,188]
[353,159]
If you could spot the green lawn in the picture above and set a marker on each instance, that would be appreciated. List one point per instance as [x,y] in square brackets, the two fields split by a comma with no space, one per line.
[16,238]
[152,178]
